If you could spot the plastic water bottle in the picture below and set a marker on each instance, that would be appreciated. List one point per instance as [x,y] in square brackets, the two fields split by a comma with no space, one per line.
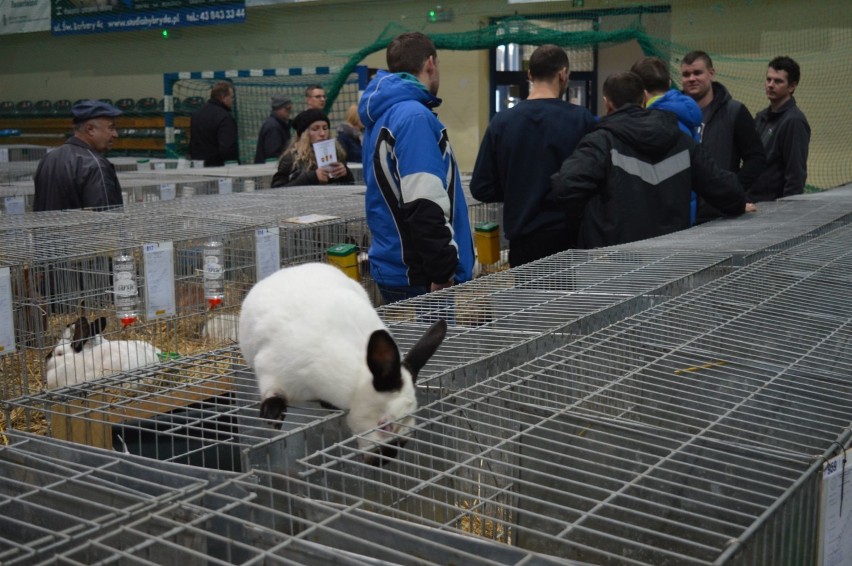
[125,290]
[214,272]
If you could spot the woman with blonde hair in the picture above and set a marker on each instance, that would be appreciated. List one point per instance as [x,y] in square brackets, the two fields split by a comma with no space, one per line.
[349,134]
[298,163]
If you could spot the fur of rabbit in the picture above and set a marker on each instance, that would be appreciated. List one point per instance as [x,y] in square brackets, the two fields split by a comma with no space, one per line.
[311,334]
[82,354]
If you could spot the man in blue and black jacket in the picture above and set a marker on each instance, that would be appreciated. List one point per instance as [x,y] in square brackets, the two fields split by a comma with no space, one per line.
[416,210]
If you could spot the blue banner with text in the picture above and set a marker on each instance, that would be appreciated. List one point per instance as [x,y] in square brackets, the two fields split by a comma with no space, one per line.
[101,16]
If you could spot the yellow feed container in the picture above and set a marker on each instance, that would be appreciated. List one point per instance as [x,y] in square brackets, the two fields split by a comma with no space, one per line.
[345,257]
[488,242]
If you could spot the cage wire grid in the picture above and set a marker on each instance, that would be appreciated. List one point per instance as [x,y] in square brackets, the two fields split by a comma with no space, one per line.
[679,437]
[55,494]
[683,469]
[271,517]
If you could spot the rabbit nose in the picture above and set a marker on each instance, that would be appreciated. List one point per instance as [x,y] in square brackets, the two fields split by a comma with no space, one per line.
[385,452]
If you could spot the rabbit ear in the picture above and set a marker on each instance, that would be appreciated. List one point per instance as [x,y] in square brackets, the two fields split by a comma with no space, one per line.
[383,361]
[80,332]
[98,326]
[420,353]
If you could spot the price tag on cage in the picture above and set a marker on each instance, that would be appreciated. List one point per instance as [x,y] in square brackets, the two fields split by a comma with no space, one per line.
[159,271]
[182,163]
[835,511]
[4,155]
[14,205]
[7,325]
[168,191]
[268,251]
[159,166]
[226,186]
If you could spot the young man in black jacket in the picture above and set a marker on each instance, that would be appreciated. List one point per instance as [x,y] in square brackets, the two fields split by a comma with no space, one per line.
[785,134]
[727,132]
[630,178]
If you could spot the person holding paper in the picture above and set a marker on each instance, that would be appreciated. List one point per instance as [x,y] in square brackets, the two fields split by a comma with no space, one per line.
[314,158]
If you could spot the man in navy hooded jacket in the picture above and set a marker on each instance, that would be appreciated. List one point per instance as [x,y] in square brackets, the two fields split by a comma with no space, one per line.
[416,210]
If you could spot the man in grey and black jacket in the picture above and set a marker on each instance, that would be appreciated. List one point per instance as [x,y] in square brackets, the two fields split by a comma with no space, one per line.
[728,133]
[630,178]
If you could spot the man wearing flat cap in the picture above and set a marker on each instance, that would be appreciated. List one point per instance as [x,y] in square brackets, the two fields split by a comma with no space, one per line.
[77,174]
[275,132]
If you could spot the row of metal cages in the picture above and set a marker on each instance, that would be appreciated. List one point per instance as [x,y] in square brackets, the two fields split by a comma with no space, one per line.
[688,420]
[58,267]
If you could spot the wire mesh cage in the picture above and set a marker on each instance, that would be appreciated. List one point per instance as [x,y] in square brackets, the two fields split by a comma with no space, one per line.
[656,405]
[62,267]
[56,495]
[199,411]
[273,519]
[690,433]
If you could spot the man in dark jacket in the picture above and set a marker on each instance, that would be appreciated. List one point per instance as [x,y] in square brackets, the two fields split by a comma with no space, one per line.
[274,134]
[659,94]
[728,133]
[76,174]
[212,129]
[522,147]
[630,178]
[785,134]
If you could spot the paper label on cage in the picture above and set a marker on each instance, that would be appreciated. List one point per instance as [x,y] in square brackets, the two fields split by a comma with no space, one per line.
[325,152]
[835,517]
[226,186]
[159,165]
[4,155]
[168,191]
[309,218]
[7,325]
[14,205]
[268,251]
[159,279]
[182,163]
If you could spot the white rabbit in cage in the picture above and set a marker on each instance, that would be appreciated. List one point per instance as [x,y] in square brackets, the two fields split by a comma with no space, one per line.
[311,334]
[82,354]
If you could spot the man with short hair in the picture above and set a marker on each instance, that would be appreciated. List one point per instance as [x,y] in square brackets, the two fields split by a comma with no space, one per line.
[659,94]
[728,133]
[274,133]
[630,178]
[522,147]
[315,97]
[785,134]
[416,210]
[213,130]
[77,174]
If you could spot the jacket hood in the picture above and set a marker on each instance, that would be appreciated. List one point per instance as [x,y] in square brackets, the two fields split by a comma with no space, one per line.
[687,110]
[650,132]
[720,95]
[388,89]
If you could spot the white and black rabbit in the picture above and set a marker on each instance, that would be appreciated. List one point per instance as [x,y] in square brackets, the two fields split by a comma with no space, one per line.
[82,354]
[311,334]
